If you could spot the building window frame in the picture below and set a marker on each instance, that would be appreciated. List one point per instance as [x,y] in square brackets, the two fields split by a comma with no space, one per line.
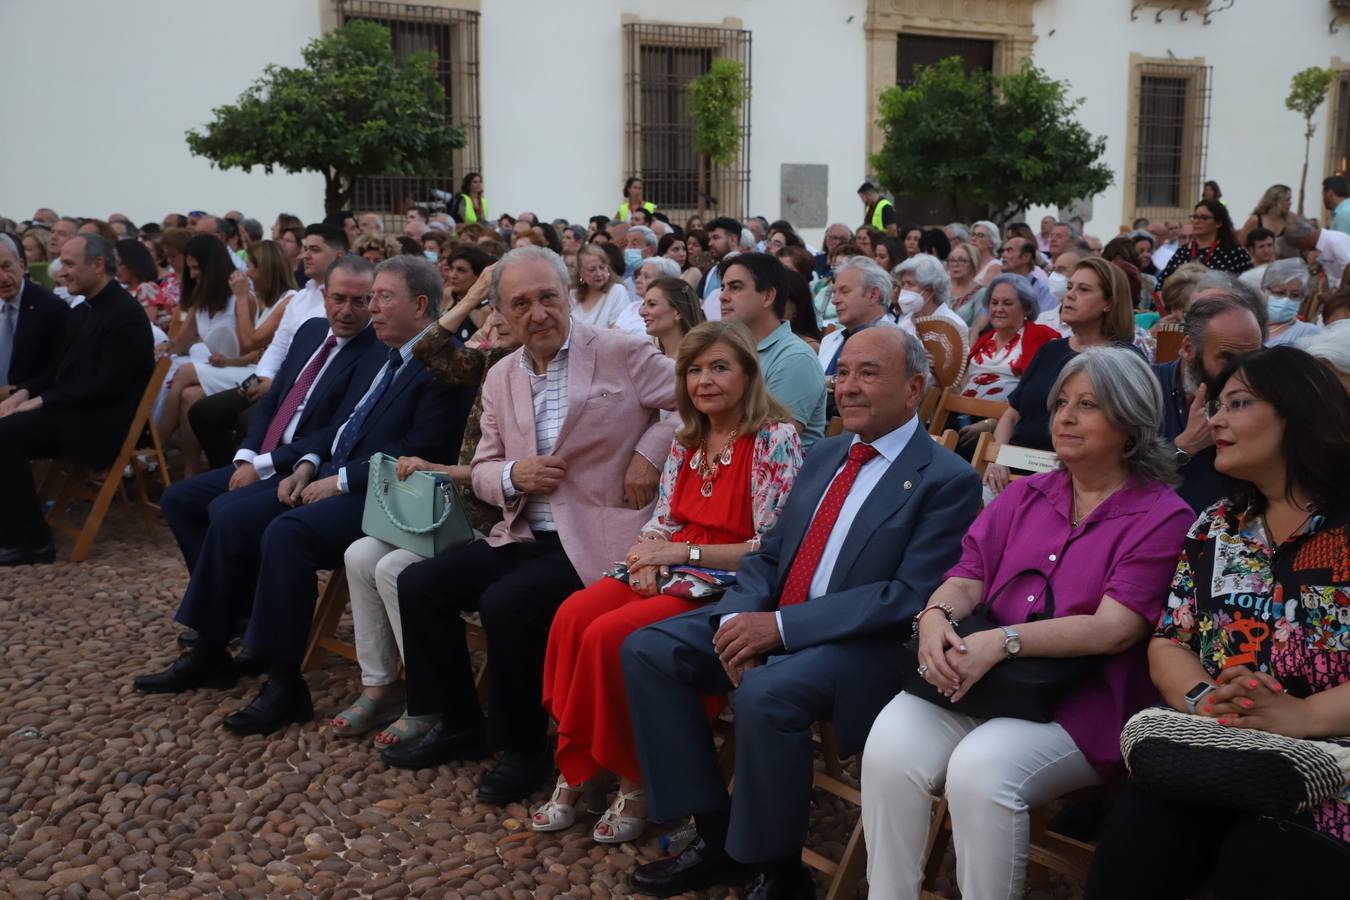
[729,185]
[1336,155]
[1198,77]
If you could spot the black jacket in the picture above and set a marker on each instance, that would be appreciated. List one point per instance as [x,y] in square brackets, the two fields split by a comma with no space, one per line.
[39,336]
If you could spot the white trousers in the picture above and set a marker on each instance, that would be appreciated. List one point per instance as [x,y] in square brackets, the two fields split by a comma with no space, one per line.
[993,772]
[373,568]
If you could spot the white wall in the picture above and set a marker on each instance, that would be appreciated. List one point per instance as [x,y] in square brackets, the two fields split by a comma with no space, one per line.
[1254,141]
[100,95]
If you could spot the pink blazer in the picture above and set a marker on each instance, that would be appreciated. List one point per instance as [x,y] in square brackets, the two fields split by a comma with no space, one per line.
[616,385]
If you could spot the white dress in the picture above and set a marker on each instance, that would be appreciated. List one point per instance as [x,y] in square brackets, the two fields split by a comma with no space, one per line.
[604,313]
[214,379]
[215,328]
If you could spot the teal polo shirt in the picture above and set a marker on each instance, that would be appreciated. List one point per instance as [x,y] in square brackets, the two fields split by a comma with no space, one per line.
[793,375]
[1340,217]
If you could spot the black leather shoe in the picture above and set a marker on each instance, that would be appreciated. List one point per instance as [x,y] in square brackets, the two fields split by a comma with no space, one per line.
[190,671]
[187,639]
[246,665]
[442,743]
[27,556]
[516,777]
[273,709]
[788,885]
[695,868]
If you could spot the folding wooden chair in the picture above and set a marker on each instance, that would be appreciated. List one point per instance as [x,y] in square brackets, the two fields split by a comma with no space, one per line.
[952,403]
[80,484]
[929,404]
[988,450]
[1168,345]
[834,426]
[947,439]
[845,874]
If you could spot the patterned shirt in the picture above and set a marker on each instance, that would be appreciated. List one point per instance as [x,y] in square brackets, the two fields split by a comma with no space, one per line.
[1232,259]
[1237,601]
[548,393]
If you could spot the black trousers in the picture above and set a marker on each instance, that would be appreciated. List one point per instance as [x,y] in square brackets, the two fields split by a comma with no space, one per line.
[25,437]
[220,422]
[516,590]
[1158,849]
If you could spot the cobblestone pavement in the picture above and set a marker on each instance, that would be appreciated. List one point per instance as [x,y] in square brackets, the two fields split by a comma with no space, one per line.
[108,793]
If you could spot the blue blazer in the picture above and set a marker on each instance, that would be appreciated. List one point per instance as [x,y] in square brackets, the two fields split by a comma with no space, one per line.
[358,360]
[39,336]
[417,416]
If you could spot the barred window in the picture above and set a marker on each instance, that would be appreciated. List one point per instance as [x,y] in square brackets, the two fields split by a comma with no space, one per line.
[1171,133]
[659,63]
[1339,164]
[452,36]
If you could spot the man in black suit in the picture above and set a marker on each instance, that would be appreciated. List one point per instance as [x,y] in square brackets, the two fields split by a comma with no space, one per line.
[32,321]
[326,358]
[80,408]
[810,631]
[288,531]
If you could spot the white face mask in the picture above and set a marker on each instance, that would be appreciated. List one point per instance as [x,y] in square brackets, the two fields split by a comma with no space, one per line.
[910,302]
[1059,284]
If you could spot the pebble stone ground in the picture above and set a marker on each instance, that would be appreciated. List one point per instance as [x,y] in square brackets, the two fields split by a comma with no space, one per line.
[105,793]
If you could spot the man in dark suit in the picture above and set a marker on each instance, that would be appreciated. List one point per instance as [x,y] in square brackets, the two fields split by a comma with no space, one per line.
[81,407]
[809,632]
[32,321]
[326,358]
[289,530]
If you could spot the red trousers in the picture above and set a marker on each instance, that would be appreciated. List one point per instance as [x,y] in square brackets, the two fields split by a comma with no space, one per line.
[583,680]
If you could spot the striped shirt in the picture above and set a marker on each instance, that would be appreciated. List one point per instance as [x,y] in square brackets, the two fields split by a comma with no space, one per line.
[548,394]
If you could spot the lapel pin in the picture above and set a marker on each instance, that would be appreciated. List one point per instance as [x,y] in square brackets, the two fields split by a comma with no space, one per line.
[908,485]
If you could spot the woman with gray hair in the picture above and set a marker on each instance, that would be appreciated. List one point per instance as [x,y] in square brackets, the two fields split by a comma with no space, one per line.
[1284,284]
[984,234]
[1069,563]
[926,292]
[1002,354]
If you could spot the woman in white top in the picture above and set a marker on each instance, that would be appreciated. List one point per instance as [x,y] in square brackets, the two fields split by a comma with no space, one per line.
[598,296]
[260,299]
[986,238]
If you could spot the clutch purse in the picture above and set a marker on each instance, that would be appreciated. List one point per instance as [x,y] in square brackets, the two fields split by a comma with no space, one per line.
[693,583]
[1028,688]
[1179,755]
[421,514]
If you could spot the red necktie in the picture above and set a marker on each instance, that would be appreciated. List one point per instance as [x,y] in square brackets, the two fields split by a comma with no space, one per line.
[295,396]
[813,545]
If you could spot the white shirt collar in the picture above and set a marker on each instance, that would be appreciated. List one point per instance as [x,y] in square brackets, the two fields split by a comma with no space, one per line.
[892,443]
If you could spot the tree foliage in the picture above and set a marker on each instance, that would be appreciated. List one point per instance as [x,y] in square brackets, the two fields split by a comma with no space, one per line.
[1307,91]
[1005,141]
[351,110]
[715,100]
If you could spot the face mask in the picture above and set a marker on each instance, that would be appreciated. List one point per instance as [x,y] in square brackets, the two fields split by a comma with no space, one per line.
[1281,309]
[431,255]
[910,302]
[632,258]
[1059,284]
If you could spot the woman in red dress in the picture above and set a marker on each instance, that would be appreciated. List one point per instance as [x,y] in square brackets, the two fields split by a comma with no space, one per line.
[728,473]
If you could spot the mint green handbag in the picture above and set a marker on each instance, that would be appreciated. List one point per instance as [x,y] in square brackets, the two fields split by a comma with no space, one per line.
[421,514]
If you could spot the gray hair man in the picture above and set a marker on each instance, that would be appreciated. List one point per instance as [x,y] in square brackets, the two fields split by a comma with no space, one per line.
[1333,247]
[862,296]
[32,320]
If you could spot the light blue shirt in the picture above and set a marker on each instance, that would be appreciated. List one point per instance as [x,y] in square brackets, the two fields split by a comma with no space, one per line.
[794,377]
[1340,217]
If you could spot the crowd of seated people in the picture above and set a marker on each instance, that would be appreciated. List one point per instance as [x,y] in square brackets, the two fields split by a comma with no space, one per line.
[633,415]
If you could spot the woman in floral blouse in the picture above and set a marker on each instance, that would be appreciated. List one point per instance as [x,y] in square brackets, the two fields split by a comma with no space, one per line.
[1259,613]
[730,469]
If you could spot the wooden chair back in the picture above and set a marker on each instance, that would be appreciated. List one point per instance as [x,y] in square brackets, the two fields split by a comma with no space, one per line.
[947,439]
[79,484]
[928,404]
[834,427]
[1169,345]
[952,403]
[943,342]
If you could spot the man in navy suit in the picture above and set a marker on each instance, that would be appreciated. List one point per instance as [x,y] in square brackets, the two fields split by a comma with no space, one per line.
[810,631]
[308,394]
[287,531]
[32,321]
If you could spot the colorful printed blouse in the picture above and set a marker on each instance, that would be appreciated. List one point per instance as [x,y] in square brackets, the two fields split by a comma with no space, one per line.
[995,371]
[775,459]
[1236,601]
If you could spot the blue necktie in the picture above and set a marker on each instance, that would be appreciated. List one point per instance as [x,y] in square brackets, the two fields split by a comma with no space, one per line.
[347,440]
[834,363]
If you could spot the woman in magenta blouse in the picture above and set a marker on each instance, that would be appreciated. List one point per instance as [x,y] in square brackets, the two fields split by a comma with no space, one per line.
[1103,531]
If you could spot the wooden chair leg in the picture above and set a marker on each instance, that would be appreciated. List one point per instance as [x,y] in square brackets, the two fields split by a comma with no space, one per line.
[332,603]
[830,750]
[939,838]
[112,482]
[852,867]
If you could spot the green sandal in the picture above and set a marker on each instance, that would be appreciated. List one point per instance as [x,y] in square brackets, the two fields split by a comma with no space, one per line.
[407,728]
[365,714]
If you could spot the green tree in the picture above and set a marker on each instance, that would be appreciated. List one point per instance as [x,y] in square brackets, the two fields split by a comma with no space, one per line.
[351,110]
[715,101]
[1007,142]
[1307,90]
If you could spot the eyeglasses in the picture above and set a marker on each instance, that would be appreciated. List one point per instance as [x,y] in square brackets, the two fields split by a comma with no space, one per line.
[1202,218]
[1233,406]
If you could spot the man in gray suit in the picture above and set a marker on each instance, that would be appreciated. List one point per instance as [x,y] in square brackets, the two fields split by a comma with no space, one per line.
[810,631]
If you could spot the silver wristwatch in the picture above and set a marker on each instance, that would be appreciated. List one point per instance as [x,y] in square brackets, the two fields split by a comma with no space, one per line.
[1012,642]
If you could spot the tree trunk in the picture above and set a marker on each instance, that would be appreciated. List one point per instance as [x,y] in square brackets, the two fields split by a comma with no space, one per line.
[1303,179]
[337,192]
[702,186]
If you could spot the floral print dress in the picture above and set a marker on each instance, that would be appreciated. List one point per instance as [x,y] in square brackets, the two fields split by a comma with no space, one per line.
[1237,601]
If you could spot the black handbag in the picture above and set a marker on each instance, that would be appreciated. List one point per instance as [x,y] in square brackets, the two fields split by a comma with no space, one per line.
[1028,688]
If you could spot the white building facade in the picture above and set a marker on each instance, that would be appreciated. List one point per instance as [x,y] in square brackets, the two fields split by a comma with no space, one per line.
[562,101]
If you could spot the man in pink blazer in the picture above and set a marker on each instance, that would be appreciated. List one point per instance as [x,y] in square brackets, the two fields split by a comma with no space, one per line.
[571,450]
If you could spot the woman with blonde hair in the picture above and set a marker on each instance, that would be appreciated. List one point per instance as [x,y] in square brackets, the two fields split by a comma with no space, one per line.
[730,468]
[598,295]
[1271,212]
[963,262]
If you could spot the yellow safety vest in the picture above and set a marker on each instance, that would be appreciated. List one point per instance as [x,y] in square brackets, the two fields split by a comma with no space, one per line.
[876,213]
[624,214]
[469,214]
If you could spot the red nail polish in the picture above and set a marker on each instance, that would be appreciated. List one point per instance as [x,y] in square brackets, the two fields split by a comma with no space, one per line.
[1223,721]
[1247,703]
[1251,683]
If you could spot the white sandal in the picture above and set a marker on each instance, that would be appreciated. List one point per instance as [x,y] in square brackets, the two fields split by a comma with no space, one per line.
[557,815]
[622,829]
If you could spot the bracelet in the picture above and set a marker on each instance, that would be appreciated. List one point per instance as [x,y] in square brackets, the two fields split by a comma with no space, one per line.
[946,611]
